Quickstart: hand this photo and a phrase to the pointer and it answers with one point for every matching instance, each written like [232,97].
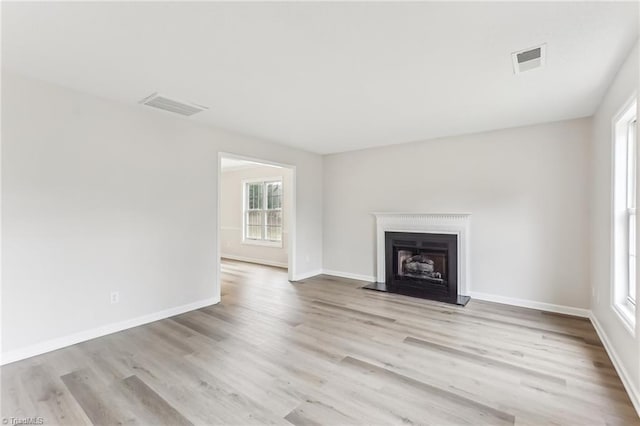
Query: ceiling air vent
[162,102]
[529,59]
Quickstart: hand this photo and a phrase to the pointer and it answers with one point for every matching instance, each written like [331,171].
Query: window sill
[275,244]
[627,314]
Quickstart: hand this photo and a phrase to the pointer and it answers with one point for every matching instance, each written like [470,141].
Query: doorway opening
[256,213]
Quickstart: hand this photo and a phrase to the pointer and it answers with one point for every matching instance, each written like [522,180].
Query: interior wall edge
[83,336]
[633,393]
[532,304]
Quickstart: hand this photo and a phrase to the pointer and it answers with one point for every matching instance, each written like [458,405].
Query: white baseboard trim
[549,307]
[305,275]
[253,260]
[633,393]
[82,336]
[349,275]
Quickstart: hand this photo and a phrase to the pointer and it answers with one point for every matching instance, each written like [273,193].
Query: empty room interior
[319,213]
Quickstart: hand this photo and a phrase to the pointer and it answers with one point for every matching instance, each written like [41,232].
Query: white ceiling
[330,77]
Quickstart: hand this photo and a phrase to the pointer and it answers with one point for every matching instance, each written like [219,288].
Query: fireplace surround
[424,255]
[422,264]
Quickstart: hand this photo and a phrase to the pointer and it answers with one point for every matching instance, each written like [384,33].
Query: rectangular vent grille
[162,102]
[528,59]
[529,55]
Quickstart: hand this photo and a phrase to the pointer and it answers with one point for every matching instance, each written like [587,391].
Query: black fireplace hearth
[422,265]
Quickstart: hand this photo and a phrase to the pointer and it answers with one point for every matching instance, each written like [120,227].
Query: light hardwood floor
[324,351]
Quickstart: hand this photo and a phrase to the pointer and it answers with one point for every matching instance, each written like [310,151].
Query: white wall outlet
[307,258]
[115,297]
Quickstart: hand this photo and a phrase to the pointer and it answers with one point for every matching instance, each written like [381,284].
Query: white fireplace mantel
[429,223]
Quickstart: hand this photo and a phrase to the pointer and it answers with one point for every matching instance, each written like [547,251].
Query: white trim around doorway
[291,242]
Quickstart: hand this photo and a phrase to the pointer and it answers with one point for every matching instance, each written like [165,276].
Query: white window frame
[621,264]
[245,203]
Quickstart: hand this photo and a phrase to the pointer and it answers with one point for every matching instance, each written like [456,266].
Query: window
[263,212]
[632,168]
[624,214]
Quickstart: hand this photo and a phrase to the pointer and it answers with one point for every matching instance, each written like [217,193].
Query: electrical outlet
[307,258]
[115,297]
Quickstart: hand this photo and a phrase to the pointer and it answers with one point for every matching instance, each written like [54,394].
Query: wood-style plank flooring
[324,351]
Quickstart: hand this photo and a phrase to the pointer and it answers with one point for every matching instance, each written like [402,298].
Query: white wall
[100,196]
[526,189]
[626,348]
[231,212]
